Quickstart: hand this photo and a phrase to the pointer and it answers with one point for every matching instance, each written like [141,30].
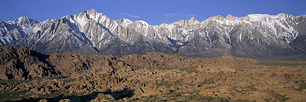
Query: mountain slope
[90,33]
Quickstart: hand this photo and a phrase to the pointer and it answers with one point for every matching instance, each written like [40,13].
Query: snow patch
[81,21]
[32,29]
[236,21]
[184,32]
[126,22]
[258,17]
[170,27]
[143,22]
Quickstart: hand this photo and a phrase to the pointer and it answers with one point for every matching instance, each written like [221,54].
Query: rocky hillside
[92,33]
[24,63]
[27,75]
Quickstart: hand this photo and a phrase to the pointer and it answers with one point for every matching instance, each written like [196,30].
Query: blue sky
[154,12]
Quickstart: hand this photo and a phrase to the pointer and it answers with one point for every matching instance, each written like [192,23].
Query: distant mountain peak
[230,17]
[91,11]
[193,20]
[123,21]
[90,14]
[22,18]
[90,32]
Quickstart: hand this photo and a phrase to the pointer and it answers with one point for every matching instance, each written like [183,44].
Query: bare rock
[103,97]
[43,100]
[64,100]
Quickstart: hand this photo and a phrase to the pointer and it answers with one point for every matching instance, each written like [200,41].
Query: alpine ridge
[93,33]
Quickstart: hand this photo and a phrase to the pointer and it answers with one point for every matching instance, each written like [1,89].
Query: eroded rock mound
[23,63]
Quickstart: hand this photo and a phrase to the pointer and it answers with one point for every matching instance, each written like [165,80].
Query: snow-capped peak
[230,17]
[247,19]
[91,11]
[193,21]
[144,23]
[20,20]
[141,21]
[259,17]
[124,21]
[83,17]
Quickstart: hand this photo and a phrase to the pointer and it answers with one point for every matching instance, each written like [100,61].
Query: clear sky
[154,12]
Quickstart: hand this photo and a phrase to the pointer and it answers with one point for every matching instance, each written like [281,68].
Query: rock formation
[150,77]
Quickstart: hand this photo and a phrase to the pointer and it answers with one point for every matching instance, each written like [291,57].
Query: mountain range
[93,33]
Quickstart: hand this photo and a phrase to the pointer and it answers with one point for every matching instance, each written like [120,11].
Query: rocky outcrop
[23,63]
[149,77]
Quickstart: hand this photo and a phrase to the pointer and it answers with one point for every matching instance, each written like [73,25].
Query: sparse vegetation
[189,69]
[12,81]
[161,68]
[69,80]
[282,63]
[278,97]
[209,81]
[10,95]
[301,86]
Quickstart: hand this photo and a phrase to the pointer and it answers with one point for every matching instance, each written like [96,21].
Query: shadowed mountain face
[92,33]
